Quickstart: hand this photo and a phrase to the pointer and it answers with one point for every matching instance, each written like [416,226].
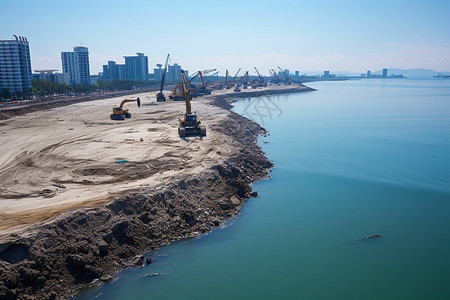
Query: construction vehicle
[245,80]
[190,125]
[275,78]
[178,92]
[160,96]
[258,82]
[287,79]
[119,113]
[235,76]
[227,84]
[202,90]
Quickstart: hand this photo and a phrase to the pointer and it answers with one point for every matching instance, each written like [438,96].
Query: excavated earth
[71,216]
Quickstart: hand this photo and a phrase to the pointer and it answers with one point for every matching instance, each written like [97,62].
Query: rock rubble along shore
[71,217]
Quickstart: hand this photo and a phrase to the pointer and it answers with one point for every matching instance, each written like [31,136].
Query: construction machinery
[258,82]
[245,80]
[227,84]
[275,78]
[178,92]
[119,113]
[235,76]
[190,125]
[287,79]
[160,96]
[203,90]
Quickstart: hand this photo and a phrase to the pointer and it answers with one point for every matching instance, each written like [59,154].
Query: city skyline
[296,35]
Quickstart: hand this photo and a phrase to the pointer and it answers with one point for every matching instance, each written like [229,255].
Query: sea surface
[352,159]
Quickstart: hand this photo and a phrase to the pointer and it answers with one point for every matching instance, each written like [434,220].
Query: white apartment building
[76,64]
[15,65]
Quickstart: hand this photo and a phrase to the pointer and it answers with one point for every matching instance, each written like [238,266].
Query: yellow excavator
[190,125]
[119,113]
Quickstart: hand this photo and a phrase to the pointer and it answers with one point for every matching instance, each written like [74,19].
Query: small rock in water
[152,274]
[371,236]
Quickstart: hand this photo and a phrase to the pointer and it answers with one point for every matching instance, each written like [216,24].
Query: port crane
[227,85]
[235,75]
[189,125]
[160,96]
[260,81]
[287,80]
[245,80]
[275,78]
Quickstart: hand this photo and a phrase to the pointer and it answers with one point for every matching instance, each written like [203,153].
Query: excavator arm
[130,100]
[187,92]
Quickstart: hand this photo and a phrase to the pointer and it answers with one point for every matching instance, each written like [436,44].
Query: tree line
[44,88]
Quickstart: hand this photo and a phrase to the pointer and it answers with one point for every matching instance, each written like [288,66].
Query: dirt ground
[66,157]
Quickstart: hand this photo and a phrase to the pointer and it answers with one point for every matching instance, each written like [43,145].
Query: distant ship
[442,76]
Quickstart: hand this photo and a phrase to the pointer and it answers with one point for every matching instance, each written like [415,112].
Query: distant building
[158,74]
[174,73]
[136,67]
[326,74]
[94,79]
[15,65]
[76,64]
[297,73]
[50,75]
[368,73]
[113,71]
[384,72]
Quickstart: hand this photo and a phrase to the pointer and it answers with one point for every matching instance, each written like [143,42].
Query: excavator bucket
[139,102]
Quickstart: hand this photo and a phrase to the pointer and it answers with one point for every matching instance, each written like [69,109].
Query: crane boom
[259,75]
[237,73]
[164,74]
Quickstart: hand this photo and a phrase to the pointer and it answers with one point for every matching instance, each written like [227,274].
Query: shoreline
[60,256]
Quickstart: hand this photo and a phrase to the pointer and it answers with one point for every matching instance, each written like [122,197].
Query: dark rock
[14,253]
[182,184]
[138,260]
[254,194]
[145,217]
[29,274]
[103,247]
[77,260]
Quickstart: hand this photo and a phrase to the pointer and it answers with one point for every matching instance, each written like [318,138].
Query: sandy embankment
[70,214]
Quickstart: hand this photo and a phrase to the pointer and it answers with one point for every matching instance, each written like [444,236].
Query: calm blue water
[352,159]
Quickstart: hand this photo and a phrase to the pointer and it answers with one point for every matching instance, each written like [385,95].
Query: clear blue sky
[300,35]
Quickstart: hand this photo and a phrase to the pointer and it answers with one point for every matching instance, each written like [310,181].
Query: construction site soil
[83,197]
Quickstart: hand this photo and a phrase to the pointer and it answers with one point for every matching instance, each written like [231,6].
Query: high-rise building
[158,74]
[15,65]
[76,64]
[384,72]
[174,73]
[136,67]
